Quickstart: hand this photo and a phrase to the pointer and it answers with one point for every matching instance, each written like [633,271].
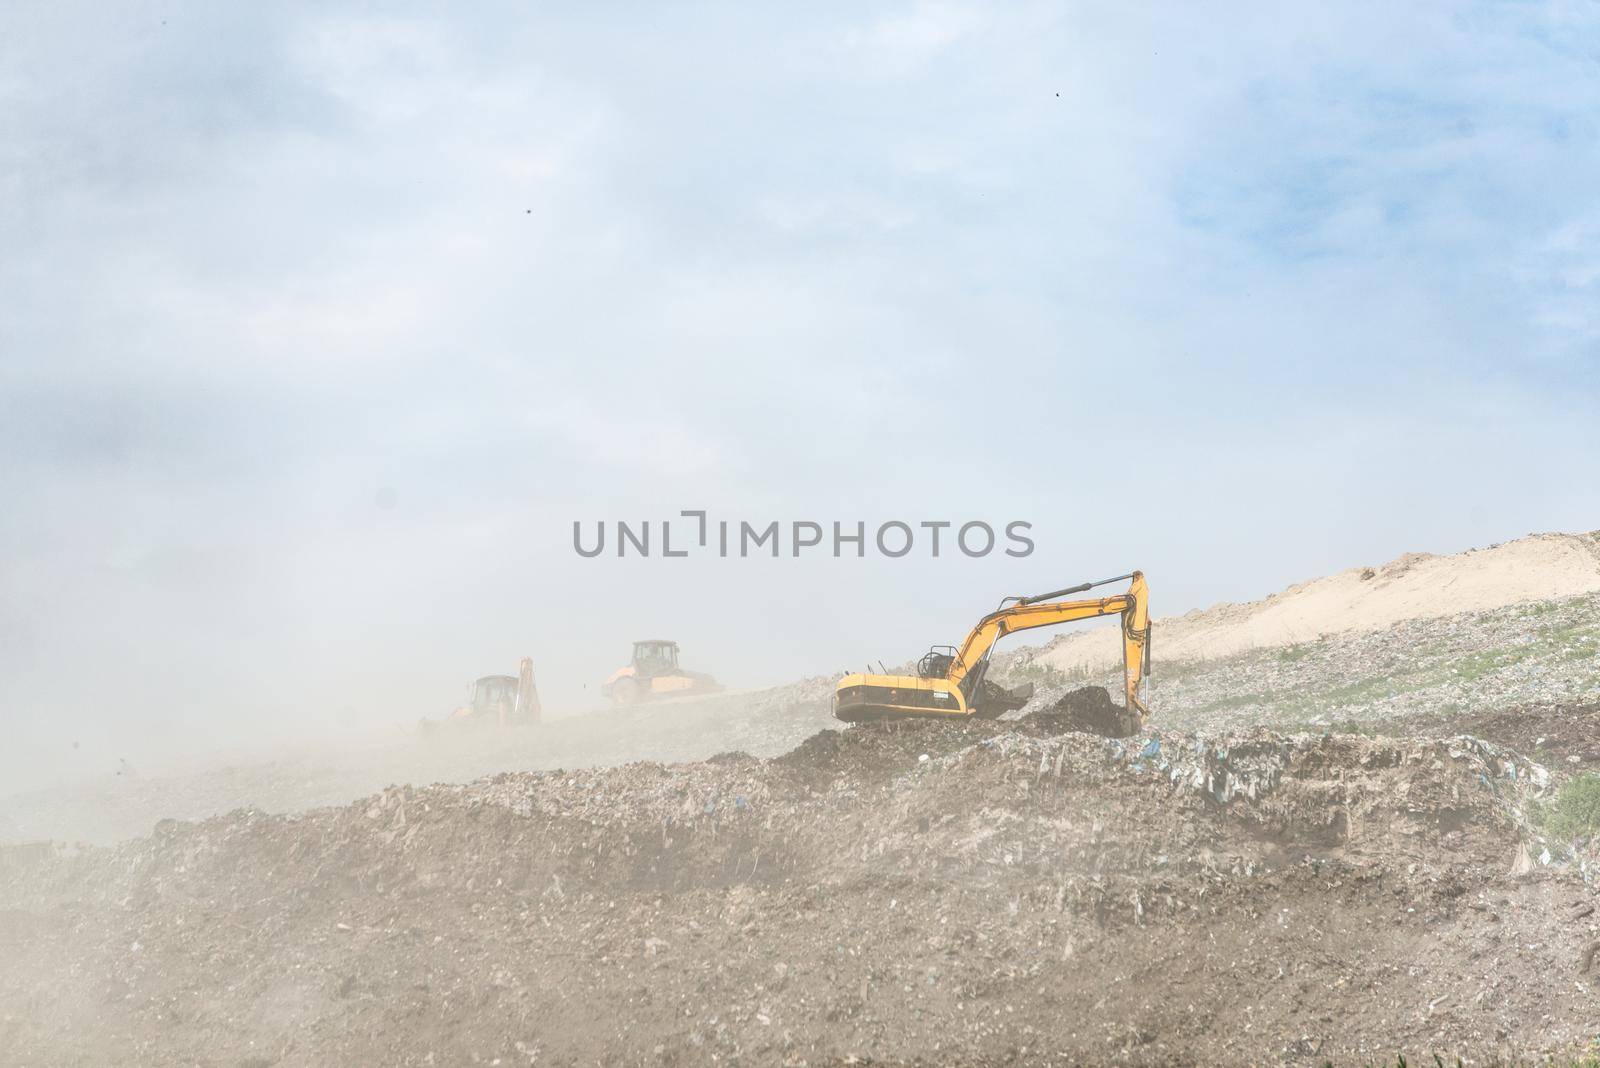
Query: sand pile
[1415,586]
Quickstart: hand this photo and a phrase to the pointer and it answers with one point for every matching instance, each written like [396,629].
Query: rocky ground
[1334,851]
[1541,654]
[977,893]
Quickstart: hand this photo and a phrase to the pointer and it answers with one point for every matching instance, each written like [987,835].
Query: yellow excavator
[503,700]
[951,682]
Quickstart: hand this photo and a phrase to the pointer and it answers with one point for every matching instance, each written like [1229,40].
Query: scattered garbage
[769,906]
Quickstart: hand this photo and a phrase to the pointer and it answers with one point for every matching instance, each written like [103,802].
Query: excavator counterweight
[950,682]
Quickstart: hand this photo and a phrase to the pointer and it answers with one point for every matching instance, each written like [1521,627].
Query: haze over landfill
[912,534]
[1350,823]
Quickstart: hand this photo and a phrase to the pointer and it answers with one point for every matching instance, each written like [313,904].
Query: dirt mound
[923,892]
[1414,586]
[1562,734]
[1089,709]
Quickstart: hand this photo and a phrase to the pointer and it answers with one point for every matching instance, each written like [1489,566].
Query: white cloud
[901,44]
[1561,276]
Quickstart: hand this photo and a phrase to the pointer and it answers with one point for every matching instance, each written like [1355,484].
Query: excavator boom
[953,684]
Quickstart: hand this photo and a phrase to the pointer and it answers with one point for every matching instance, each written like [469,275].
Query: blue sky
[1236,294]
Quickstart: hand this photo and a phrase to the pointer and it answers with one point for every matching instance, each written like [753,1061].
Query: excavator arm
[1044,611]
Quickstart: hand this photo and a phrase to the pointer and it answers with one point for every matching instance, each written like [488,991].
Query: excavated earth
[914,893]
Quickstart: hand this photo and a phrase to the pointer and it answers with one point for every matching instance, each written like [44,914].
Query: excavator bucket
[997,700]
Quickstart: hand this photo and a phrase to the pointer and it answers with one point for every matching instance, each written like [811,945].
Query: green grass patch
[1184,670]
[1362,693]
[1567,633]
[1436,1061]
[1237,701]
[1583,649]
[1476,665]
[1575,811]
[1365,691]
[1351,726]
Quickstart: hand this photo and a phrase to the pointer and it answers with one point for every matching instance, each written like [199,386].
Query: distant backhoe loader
[654,672]
[951,682]
[503,700]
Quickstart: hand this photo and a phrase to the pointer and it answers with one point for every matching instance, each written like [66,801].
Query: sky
[320,327]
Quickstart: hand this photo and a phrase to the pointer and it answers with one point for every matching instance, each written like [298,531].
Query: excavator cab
[975,686]
[654,657]
[493,695]
[935,663]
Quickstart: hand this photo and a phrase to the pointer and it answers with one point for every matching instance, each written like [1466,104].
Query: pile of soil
[1090,710]
[921,892]
[1563,734]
